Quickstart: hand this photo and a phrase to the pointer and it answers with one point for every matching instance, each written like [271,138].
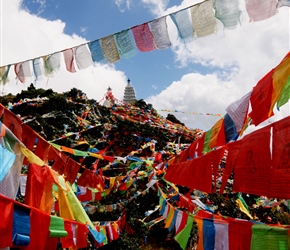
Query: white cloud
[122,3]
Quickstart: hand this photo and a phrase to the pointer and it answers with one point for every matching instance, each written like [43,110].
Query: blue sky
[203,76]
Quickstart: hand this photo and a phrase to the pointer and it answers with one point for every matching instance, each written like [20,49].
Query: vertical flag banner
[125,44]
[143,37]
[110,49]
[37,68]
[160,33]
[252,170]
[22,70]
[184,27]
[280,170]
[238,110]
[259,10]
[68,55]
[228,12]
[203,18]
[96,51]
[83,57]
[4,70]
[51,64]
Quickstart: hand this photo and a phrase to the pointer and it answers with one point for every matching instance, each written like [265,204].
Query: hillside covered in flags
[78,174]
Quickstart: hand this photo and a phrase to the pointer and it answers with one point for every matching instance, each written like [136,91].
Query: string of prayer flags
[143,37]
[259,10]
[125,44]
[228,12]
[21,226]
[203,18]
[182,22]
[110,49]
[69,57]
[83,57]
[159,31]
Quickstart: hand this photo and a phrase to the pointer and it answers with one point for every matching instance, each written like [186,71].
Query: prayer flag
[125,44]
[252,169]
[39,229]
[37,69]
[228,12]
[230,129]
[280,77]
[56,227]
[280,170]
[21,226]
[282,3]
[267,237]
[6,221]
[183,24]
[218,135]
[183,236]
[13,123]
[238,110]
[4,70]
[259,10]
[96,51]
[22,70]
[160,33]
[240,234]
[221,234]
[203,18]
[285,95]
[68,55]
[6,160]
[83,57]
[51,64]
[261,99]
[110,49]
[143,37]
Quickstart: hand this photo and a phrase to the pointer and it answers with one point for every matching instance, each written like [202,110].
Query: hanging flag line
[193,22]
[188,112]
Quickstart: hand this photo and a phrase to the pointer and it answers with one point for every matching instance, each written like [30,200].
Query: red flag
[68,55]
[42,149]
[6,221]
[280,171]
[28,136]
[252,170]
[143,37]
[261,99]
[35,185]
[39,225]
[13,123]
[240,234]
[233,149]
[82,232]
[68,241]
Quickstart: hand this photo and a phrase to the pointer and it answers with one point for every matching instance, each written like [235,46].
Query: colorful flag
[228,12]
[83,57]
[182,22]
[259,10]
[261,99]
[160,33]
[22,70]
[110,49]
[203,18]
[68,55]
[143,37]
[125,44]
[183,236]
[238,111]
[4,70]
[96,51]
[51,64]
